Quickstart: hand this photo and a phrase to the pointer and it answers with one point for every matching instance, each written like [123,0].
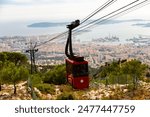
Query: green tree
[123,73]
[135,69]
[13,74]
[8,69]
[3,57]
[15,57]
[111,73]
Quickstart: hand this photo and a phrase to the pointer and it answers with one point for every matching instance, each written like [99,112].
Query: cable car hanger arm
[68,47]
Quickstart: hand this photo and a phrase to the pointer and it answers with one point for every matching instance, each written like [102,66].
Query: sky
[56,10]
[18,14]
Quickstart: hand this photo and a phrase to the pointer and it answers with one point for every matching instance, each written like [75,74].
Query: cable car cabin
[77,73]
[76,66]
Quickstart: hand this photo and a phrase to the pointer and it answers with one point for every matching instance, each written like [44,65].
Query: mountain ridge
[55,24]
[46,24]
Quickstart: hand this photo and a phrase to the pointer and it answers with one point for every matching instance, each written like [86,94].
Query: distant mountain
[46,24]
[107,22]
[142,24]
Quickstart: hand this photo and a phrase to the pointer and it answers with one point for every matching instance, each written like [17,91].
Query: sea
[124,30]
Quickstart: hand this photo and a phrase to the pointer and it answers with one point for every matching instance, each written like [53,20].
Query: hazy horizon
[16,15]
[124,29]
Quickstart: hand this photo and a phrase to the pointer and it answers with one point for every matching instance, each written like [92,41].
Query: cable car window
[80,70]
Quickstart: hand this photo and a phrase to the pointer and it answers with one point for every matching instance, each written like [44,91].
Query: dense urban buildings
[96,52]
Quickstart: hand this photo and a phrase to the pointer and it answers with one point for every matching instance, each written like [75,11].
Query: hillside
[121,79]
[97,92]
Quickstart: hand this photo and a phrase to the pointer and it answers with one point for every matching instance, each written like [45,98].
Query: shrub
[66,96]
[56,76]
[46,88]
[34,80]
[66,88]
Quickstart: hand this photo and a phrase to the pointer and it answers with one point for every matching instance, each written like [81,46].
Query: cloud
[43,11]
[23,2]
[58,9]
[13,2]
[36,1]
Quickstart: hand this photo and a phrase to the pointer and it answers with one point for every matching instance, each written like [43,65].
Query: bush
[123,73]
[131,87]
[66,88]
[46,88]
[35,79]
[56,76]
[66,96]
[147,80]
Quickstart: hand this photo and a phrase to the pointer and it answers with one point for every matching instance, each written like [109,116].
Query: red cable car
[76,67]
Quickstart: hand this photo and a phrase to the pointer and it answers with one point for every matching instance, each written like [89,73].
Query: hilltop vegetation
[128,72]
[14,68]
[115,80]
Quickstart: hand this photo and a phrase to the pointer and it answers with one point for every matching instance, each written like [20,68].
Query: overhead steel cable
[103,20]
[61,34]
[105,5]
[106,15]
[97,21]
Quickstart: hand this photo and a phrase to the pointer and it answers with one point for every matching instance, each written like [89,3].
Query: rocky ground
[120,92]
[123,92]
[22,92]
